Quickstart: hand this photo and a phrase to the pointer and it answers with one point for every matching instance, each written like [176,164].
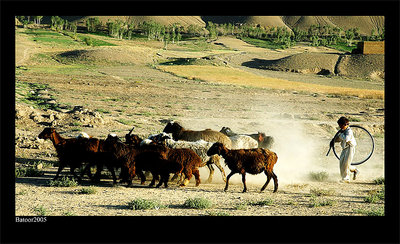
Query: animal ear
[260,137]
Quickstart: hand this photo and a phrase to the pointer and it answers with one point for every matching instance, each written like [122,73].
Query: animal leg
[110,168]
[244,181]
[142,177]
[174,177]
[269,175]
[181,179]
[72,170]
[60,168]
[188,176]
[196,174]
[210,177]
[87,169]
[97,176]
[275,181]
[227,180]
[217,163]
[161,181]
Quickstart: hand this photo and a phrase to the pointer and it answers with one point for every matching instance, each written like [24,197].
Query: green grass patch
[242,206]
[263,43]
[343,47]
[63,182]
[27,172]
[88,190]
[265,202]
[379,181]
[197,203]
[126,122]
[103,111]
[380,211]
[375,196]
[317,202]
[50,37]
[40,210]
[90,41]
[142,204]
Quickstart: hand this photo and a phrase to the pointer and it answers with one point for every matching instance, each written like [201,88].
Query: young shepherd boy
[348,143]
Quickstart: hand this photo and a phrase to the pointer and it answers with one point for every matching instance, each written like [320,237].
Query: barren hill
[365,23]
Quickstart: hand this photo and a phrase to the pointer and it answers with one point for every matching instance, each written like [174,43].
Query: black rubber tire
[370,154]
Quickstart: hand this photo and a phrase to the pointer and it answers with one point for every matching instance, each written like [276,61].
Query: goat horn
[131,130]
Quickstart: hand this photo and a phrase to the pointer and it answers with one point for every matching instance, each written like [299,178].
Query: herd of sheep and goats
[176,151]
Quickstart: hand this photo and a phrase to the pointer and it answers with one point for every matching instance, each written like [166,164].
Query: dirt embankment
[359,66]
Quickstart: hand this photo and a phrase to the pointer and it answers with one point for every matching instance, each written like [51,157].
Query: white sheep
[82,135]
[200,147]
[243,142]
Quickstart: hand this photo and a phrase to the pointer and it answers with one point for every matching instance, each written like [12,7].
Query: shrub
[27,172]
[319,176]
[88,190]
[321,202]
[379,181]
[63,182]
[265,202]
[242,206]
[373,212]
[197,203]
[41,211]
[140,204]
[375,196]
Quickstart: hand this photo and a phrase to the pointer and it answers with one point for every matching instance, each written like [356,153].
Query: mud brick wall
[370,47]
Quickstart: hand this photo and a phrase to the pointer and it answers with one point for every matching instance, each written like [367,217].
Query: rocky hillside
[365,23]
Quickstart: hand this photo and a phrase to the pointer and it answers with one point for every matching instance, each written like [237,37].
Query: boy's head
[343,122]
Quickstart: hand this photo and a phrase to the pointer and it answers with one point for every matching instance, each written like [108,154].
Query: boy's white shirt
[347,138]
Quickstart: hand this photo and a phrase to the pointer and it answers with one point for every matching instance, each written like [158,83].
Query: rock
[39,166]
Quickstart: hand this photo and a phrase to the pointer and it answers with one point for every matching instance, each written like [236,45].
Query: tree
[92,24]
[349,34]
[57,23]
[38,19]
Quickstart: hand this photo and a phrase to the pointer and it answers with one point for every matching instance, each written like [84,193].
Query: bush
[265,202]
[27,172]
[314,202]
[88,190]
[375,196]
[140,204]
[41,211]
[197,203]
[373,212]
[379,181]
[63,182]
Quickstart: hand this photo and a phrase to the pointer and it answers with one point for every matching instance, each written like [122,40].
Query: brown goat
[179,133]
[71,152]
[242,161]
[161,161]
